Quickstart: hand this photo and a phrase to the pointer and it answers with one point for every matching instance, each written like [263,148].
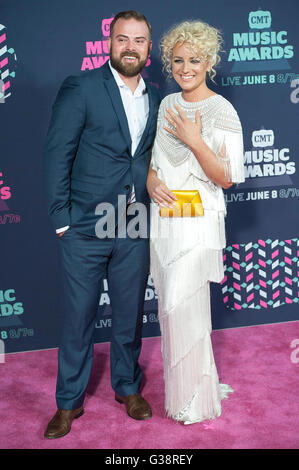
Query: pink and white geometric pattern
[7,66]
[261,275]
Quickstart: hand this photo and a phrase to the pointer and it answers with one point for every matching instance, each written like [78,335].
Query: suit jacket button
[127,186]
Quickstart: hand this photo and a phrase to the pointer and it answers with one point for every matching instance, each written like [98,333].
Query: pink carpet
[262,413]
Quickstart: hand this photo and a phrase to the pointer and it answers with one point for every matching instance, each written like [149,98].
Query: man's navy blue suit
[88,161]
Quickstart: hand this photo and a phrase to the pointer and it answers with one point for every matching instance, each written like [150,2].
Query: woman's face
[188,69]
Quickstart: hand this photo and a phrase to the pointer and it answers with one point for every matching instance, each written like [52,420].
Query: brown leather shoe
[61,422]
[137,407]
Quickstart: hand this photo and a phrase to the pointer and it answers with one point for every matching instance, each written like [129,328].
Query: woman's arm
[214,166]
[158,191]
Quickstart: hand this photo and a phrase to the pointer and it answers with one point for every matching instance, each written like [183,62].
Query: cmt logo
[5,192]
[260,48]
[8,304]
[270,161]
[262,138]
[106,26]
[97,52]
[259,19]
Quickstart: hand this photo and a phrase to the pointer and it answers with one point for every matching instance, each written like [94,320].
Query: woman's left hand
[186,131]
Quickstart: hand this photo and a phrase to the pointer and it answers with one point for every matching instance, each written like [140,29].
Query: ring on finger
[173,125]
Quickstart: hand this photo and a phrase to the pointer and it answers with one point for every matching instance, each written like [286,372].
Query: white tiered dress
[186,255]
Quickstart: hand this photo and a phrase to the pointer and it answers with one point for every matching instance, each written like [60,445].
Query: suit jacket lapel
[114,93]
[149,120]
[117,104]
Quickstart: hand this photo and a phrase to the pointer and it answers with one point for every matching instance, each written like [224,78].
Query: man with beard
[98,148]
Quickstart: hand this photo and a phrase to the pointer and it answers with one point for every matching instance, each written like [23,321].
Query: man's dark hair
[127,15]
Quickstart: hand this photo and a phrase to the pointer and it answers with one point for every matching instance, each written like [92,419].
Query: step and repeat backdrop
[42,42]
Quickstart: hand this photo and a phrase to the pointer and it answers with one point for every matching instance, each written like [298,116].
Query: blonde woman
[198,146]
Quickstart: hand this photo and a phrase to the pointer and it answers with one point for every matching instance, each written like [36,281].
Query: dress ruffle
[195,412]
[192,389]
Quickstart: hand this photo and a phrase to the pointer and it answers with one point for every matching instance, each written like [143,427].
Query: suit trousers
[86,260]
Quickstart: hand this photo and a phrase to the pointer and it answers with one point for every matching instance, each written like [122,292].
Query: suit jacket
[88,150]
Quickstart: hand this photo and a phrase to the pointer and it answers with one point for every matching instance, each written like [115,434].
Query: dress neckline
[195,103]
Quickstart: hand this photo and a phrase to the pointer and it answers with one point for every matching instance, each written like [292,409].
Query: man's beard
[127,70]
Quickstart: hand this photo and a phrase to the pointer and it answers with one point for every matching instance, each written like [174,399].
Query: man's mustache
[129,54]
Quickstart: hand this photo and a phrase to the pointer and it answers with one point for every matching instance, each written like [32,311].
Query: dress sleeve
[229,148]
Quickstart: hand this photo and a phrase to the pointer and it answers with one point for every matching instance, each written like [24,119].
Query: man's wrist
[62,229]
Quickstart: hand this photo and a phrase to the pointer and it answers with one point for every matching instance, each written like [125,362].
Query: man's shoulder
[88,76]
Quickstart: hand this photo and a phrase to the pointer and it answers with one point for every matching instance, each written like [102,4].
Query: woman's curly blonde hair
[205,40]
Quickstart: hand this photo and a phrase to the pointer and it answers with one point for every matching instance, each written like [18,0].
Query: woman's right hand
[158,191]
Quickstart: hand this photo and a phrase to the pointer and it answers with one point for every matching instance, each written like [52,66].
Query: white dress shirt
[136,106]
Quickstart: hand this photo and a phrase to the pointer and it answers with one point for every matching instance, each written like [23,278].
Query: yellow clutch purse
[188,204]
